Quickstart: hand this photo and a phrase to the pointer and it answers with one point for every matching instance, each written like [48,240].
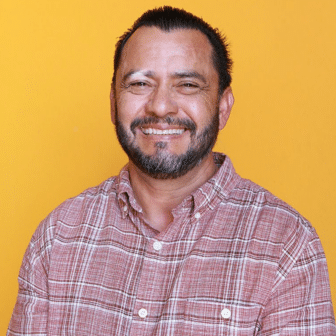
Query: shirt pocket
[204,317]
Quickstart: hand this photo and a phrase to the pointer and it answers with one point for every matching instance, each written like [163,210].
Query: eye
[188,88]
[139,87]
[139,84]
[189,85]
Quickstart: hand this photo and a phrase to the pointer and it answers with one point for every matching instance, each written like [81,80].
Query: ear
[112,103]
[225,105]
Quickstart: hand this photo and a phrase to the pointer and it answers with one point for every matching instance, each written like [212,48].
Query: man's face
[165,105]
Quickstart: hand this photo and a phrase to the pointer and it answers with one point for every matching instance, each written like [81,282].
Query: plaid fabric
[235,261]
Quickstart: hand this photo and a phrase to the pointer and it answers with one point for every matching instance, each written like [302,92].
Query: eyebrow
[149,74]
[190,74]
[178,74]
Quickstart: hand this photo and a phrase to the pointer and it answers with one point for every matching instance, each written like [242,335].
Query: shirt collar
[216,189]
[125,193]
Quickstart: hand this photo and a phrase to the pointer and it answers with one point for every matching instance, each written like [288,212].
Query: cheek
[200,109]
[129,107]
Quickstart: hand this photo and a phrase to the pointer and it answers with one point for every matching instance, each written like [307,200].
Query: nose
[161,102]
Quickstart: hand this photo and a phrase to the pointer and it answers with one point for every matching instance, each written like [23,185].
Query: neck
[159,197]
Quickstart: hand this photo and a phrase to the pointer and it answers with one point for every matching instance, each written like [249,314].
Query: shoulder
[97,195]
[75,210]
[276,231]
[269,207]
[268,221]
[70,221]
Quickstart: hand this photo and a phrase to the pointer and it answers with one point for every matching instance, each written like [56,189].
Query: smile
[155,131]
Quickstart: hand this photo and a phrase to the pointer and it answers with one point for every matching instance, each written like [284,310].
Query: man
[178,243]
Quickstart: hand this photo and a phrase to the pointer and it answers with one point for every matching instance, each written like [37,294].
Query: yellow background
[56,135]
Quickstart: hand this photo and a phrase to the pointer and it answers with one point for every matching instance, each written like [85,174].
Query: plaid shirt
[235,261]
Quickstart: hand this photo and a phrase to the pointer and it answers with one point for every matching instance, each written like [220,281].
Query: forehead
[151,48]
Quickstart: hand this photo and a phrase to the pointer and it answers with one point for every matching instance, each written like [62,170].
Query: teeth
[149,131]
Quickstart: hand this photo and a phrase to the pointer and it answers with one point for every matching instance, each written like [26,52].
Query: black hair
[168,18]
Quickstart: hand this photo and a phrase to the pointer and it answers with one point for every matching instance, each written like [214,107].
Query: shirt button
[157,246]
[142,312]
[226,313]
[197,215]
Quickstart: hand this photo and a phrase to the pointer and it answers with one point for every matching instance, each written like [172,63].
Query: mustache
[186,123]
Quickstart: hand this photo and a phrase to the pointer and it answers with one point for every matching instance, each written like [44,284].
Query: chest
[122,283]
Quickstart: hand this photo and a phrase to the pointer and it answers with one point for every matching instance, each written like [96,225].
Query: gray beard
[163,165]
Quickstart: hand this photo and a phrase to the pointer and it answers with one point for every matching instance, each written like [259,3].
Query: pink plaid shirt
[235,261]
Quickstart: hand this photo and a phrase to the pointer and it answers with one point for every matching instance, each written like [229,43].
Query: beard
[162,164]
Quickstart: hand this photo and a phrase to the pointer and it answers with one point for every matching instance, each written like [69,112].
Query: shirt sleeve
[301,303]
[30,314]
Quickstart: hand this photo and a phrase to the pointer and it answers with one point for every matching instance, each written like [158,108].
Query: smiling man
[168,109]
[178,243]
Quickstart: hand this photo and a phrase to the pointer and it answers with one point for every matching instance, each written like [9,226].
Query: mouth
[156,131]
[168,126]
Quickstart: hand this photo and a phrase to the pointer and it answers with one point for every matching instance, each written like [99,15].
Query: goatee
[162,164]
